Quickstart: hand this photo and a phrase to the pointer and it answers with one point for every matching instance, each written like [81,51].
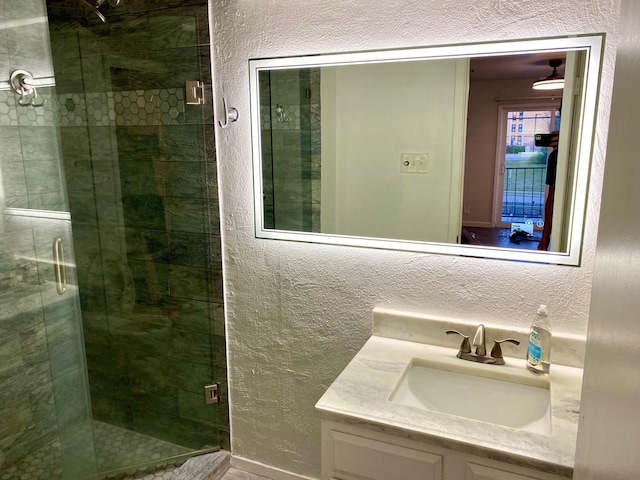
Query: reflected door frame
[545,103]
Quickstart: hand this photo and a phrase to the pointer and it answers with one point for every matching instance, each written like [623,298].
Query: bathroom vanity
[407,408]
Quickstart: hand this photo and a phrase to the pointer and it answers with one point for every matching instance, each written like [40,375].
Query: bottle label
[534,352]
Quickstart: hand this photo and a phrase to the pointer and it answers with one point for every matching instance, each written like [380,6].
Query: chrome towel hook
[230,115]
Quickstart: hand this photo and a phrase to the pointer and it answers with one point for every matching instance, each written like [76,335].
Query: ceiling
[531,66]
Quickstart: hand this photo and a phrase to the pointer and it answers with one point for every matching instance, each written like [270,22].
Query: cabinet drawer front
[362,458]
[480,472]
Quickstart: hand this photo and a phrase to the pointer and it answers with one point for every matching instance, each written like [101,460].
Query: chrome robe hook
[230,115]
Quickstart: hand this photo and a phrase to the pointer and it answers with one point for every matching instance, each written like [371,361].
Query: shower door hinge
[194,92]
[212,393]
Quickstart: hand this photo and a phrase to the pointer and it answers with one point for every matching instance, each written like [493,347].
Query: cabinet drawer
[481,472]
[362,458]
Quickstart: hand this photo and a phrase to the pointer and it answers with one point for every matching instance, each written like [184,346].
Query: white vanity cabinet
[354,453]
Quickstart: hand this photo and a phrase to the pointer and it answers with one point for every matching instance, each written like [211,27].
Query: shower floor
[116,449]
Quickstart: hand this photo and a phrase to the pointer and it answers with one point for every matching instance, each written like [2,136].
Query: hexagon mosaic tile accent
[102,109]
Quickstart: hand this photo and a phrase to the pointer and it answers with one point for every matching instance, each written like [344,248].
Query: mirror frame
[591,44]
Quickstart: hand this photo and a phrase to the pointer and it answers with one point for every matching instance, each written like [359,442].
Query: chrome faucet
[479,342]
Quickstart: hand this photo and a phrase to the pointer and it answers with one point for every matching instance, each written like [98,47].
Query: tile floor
[117,449]
[167,474]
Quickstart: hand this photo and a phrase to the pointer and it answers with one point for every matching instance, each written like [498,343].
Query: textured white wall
[297,313]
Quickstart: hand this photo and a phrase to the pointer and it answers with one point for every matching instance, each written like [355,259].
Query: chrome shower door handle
[58,266]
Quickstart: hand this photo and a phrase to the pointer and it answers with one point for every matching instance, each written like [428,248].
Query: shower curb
[211,466]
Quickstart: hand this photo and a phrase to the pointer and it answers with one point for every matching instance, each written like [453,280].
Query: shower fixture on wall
[89,10]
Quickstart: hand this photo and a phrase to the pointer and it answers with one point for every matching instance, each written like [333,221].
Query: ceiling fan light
[549,84]
[555,81]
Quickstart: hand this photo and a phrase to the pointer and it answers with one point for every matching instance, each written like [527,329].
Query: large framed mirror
[446,150]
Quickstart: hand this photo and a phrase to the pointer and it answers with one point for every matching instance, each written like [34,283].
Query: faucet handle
[496,352]
[465,347]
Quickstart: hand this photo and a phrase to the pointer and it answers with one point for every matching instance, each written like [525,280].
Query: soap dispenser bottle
[539,350]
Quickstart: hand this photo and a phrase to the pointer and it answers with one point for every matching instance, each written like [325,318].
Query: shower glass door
[141,181]
[45,415]
[108,376]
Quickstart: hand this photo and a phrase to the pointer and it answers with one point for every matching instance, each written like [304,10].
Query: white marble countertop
[360,396]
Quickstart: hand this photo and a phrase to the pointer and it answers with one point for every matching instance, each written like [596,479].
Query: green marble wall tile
[219,351]
[83,209]
[74,144]
[106,359]
[94,75]
[20,9]
[12,171]
[143,334]
[189,376]
[195,316]
[161,424]
[192,250]
[104,143]
[71,400]
[138,140]
[292,191]
[10,141]
[192,283]
[16,418]
[109,409]
[33,346]
[10,350]
[43,177]
[80,179]
[68,65]
[73,416]
[184,179]
[191,315]
[190,408]
[192,346]
[144,211]
[5,62]
[13,178]
[182,143]
[28,47]
[151,282]
[201,114]
[186,214]
[147,245]
[141,175]
[66,351]
[95,329]
[64,33]
[149,69]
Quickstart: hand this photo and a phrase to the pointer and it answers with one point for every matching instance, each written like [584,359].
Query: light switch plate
[413,162]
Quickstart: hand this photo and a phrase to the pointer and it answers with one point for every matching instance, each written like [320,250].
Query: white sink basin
[509,403]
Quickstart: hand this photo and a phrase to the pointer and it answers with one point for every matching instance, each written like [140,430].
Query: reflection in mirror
[428,149]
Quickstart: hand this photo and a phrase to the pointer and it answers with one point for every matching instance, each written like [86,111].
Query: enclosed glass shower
[111,309]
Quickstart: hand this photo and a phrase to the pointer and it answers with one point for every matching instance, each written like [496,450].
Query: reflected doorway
[520,165]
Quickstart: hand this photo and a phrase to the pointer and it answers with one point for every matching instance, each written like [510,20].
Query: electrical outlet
[413,162]
[466,209]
